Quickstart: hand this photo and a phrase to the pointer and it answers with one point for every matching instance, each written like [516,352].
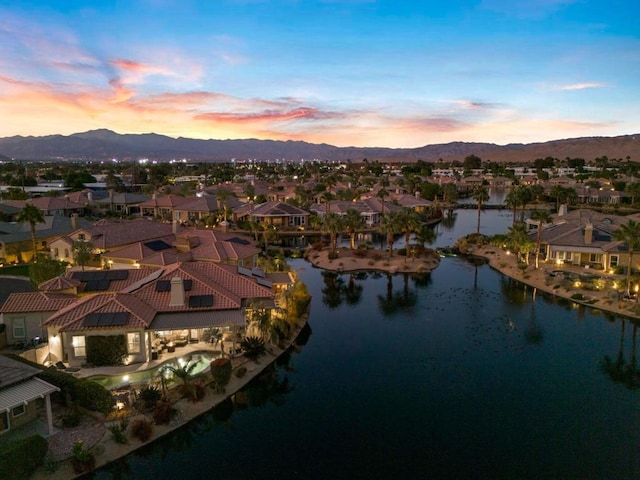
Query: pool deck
[106,450]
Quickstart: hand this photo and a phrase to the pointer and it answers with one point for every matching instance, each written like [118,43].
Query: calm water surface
[462,373]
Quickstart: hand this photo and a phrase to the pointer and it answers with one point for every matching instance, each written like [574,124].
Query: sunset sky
[355,72]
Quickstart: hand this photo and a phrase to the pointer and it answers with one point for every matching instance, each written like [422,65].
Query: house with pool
[138,315]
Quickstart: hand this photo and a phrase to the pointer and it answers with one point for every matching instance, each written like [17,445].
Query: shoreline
[107,451]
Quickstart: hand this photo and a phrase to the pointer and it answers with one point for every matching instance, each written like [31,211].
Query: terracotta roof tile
[36,302]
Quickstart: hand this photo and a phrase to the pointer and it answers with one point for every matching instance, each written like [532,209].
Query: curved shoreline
[107,451]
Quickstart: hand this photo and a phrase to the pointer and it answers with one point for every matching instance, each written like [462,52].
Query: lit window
[79,346]
[613,260]
[133,342]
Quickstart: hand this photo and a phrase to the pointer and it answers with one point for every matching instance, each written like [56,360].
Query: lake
[461,373]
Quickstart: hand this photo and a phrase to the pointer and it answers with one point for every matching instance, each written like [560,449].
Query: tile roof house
[121,203]
[199,208]
[206,245]
[280,214]
[162,206]
[584,238]
[15,238]
[20,392]
[106,235]
[178,303]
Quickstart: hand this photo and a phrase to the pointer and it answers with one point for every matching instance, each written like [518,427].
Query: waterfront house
[280,214]
[167,309]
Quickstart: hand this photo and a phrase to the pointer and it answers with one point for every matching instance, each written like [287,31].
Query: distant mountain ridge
[105,144]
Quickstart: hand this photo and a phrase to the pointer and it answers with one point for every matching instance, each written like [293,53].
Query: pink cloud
[582,86]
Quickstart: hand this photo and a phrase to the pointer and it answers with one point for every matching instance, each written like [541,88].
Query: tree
[513,201]
[352,222]
[481,195]
[410,222]
[46,269]
[31,215]
[382,194]
[634,190]
[390,226]
[630,235]
[541,217]
[81,252]
[519,241]
[332,224]
[558,192]
[449,193]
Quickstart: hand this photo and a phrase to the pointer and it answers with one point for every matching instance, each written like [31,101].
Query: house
[169,307]
[20,392]
[199,208]
[280,214]
[584,238]
[205,245]
[15,238]
[107,235]
[124,204]
[162,206]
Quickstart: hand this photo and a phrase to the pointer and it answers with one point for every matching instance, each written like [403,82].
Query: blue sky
[360,72]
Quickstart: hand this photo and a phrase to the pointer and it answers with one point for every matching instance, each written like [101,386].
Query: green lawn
[19,270]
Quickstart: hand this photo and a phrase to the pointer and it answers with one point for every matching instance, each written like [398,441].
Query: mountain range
[105,144]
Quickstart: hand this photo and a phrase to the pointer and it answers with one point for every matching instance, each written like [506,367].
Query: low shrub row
[19,459]
[82,392]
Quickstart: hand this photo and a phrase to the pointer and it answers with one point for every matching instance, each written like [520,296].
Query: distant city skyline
[359,73]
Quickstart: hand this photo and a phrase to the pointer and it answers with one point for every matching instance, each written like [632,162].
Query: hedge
[105,350]
[85,393]
[21,458]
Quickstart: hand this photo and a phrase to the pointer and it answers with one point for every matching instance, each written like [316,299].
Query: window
[66,253]
[19,330]
[614,260]
[81,236]
[133,342]
[56,252]
[595,258]
[79,346]
[19,410]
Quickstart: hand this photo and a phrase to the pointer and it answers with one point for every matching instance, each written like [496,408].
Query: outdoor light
[119,405]
[125,378]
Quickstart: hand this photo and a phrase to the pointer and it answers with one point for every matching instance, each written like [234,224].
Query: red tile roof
[36,302]
[58,283]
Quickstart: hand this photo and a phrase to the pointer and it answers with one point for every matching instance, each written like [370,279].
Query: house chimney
[176,298]
[174,226]
[90,196]
[74,221]
[562,210]
[417,194]
[154,195]
[588,233]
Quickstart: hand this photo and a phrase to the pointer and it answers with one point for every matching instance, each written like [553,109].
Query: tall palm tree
[525,196]
[352,222]
[519,241]
[411,222]
[512,201]
[541,217]
[382,194]
[32,215]
[332,224]
[558,192]
[390,226]
[629,234]
[81,252]
[481,195]
[327,196]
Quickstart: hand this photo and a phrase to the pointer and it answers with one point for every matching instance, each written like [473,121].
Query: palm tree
[558,192]
[352,222]
[519,241]
[525,197]
[390,226]
[541,217]
[481,195]
[327,196]
[629,234]
[410,221]
[382,194]
[512,201]
[332,224]
[222,197]
[426,234]
[31,215]
[81,252]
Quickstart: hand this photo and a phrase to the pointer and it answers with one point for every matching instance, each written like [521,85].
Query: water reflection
[404,299]
[618,370]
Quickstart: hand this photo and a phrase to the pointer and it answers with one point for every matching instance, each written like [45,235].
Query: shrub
[85,393]
[221,373]
[106,349]
[119,431]
[194,392]
[142,429]
[333,255]
[360,253]
[82,459]
[19,459]
[163,412]
[71,418]
[241,371]
[253,346]
[150,395]
[377,256]
[402,252]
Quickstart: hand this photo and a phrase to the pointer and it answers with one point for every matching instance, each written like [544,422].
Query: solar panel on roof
[188,284]
[258,272]
[264,282]
[100,275]
[200,301]
[91,320]
[239,241]
[163,286]
[244,271]
[119,319]
[117,274]
[157,245]
[97,285]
